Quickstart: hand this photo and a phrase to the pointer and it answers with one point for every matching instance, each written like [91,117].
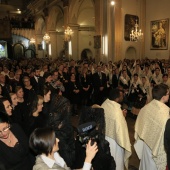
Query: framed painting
[159,34]
[97,41]
[130,21]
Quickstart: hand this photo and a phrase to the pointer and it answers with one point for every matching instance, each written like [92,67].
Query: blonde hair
[40,99]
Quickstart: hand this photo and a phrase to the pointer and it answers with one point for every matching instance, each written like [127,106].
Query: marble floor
[134,161]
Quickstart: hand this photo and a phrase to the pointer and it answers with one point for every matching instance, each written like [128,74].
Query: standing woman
[14,147]
[74,93]
[85,85]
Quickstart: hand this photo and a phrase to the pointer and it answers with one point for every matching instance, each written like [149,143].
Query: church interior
[103,30]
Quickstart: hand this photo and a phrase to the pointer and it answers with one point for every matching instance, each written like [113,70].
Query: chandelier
[68,32]
[136,34]
[46,38]
[32,41]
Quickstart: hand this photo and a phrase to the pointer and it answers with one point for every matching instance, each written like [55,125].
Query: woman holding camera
[44,143]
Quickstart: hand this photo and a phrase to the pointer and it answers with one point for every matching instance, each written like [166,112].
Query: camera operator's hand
[91,151]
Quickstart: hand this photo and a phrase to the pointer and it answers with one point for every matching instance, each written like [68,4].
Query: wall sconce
[68,32]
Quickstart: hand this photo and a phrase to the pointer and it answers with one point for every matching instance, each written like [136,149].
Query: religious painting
[159,34]
[130,21]
[39,46]
[97,41]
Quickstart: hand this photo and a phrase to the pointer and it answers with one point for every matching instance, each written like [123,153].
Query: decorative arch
[18,50]
[29,53]
[56,14]
[131,53]
[75,9]
[39,25]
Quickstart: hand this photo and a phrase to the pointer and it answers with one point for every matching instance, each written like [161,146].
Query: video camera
[86,132]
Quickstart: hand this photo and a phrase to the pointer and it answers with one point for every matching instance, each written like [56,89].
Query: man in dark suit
[37,82]
[115,78]
[99,81]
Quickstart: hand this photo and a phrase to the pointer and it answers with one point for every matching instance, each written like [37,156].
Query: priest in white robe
[116,129]
[149,130]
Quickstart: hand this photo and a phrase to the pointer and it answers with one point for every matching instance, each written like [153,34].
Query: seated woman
[5,107]
[22,104]
[44,142]
[36,119]
[14,146]
[16,112]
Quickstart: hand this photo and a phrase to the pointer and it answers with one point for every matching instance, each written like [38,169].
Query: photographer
[44,143]
[91,127]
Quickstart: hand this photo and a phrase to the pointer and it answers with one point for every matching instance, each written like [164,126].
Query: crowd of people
[38,97]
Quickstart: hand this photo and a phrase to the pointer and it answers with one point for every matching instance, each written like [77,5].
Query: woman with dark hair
[22,104]
[44,143]
[14,147]
[47,98]
[35,119]
[74,89]
[59,120]
[5,106]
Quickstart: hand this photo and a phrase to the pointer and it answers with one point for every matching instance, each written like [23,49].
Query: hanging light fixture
[32,40]
[136,34]
[68,32]
[46,38]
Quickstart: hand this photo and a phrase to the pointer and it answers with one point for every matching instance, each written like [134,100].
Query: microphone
[83,128]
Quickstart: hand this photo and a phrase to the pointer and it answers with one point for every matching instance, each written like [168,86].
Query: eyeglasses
[5,129]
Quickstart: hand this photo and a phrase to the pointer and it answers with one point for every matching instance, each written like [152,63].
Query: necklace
[9,140]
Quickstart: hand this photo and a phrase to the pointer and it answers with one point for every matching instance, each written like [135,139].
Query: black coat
[38,86]
[115,81]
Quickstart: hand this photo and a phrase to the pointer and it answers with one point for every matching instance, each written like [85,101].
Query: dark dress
[17,116]
[99,81]
[74,97]
[85,82]
[36,122]
[29,95]
[17,157]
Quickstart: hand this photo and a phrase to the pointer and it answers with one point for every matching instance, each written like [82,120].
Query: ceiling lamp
[46,38]
[136,34]
[68,32]
[32,41]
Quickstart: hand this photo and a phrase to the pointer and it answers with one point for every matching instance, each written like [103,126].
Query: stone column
[74,42]
[53,42]
[98,23]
